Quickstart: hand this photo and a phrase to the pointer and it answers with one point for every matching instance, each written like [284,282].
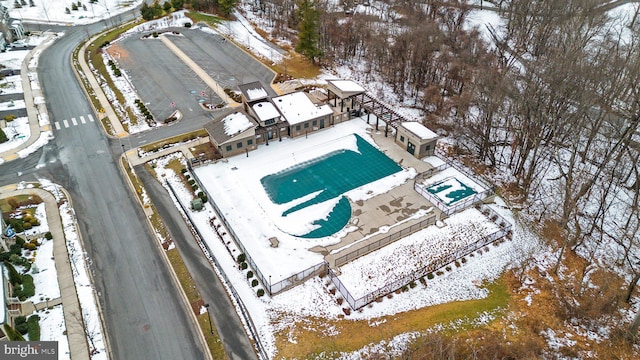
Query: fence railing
[209,254]
[465,170]
[446,209]
[368,248]
[429,268]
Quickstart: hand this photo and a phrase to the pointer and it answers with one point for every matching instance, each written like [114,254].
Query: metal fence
[339,261]
[446,209]
[209,254]
[484,182]
[505,228]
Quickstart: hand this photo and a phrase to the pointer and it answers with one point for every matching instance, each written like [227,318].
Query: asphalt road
[144,317]
[234,339]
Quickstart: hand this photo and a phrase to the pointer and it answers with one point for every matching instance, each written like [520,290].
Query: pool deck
[385,209]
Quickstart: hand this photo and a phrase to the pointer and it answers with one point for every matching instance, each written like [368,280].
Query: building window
[270,121]
[306,125]
[315,122]
[297,127]
[428,147]
[229,148]
[239,145]
[250,142]
[401,138]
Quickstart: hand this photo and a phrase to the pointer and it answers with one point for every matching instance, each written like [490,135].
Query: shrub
[249,274]
[34,328]
[204,198]
[187,25]
[12,334]
[34,222]
[3,136]
[22,328]
[430,276]
[448,268]
[48,235]
[155,34]
[412,284]
[27,289]
[194,187]
[117,72]
[15,249]
[27,225]
[9,118]
[20,320]
[463,260]
[254,283]
[260,293]
[31,246]
[191,182]
[244,265]
[184,170]
[14,276]
[187,176]
[242,258]
[19,240]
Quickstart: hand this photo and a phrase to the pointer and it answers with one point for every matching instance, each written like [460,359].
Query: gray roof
[253,91]
[216,128]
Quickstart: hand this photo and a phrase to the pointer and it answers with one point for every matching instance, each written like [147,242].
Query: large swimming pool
[329,177]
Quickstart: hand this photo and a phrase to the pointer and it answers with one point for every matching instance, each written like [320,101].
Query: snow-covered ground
[252,219]
[55,11]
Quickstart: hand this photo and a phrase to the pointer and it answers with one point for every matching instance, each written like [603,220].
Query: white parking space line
[57,125]
[66,123]
[82,120]
[90,117]
[73,120]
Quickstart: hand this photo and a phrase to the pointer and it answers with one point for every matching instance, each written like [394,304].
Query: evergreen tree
[226,6]
[3,136]
[308,36]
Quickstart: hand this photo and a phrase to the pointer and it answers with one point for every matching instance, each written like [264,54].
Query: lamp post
[210,325]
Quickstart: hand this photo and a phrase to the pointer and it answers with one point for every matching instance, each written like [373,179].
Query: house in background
[10,307]
[416,138]
[10,29]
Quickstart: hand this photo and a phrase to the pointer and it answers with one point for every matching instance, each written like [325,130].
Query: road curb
[165,259]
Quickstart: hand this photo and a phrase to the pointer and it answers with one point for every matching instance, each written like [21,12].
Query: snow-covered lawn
[52,328]
[17,132]
[54,11]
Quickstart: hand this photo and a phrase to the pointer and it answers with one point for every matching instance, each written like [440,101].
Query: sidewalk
[35,113]
[78,346]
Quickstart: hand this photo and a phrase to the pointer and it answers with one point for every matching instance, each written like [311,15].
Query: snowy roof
[419,130]
[253,91]
[265,110]
[297,108]
[229,126]
[346,85]
[344,88]
[236,123]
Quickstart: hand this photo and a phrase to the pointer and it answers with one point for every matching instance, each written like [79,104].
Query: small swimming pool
[450,190]
[329,177]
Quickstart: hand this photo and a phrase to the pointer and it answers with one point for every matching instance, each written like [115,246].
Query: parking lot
[165,83]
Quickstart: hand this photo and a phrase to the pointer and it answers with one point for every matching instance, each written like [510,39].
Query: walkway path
[70,304]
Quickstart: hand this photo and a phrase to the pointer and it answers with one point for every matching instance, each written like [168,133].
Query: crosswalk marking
[74,121]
